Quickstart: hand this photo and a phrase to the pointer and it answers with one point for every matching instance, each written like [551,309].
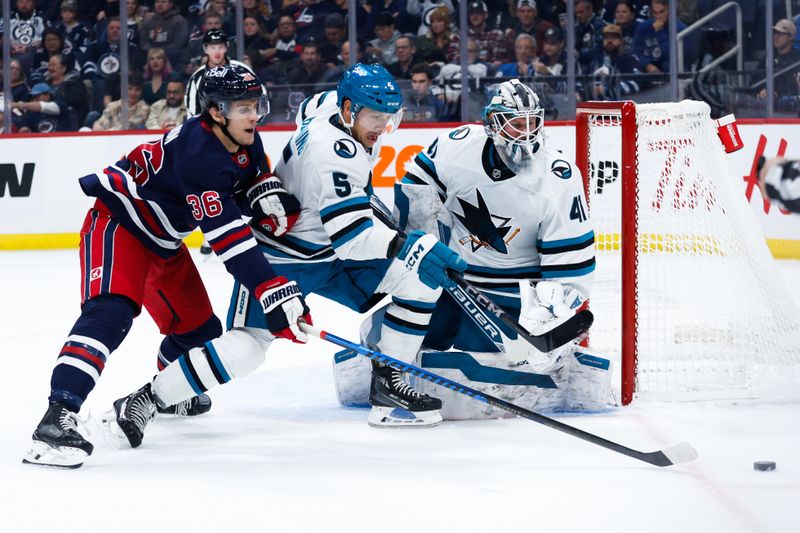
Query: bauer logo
[345,148]
[562,169]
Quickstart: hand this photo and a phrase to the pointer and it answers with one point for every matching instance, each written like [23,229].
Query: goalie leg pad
[235,354]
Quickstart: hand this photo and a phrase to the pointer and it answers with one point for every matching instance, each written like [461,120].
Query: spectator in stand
[588,35]
[156,73]
[136,16]
[421,103]
[27,27]
[335,35]
[102,63]
[193,54]
[68,90]
[138,110]
[492,44]
[449,78]
[406,58]
[651,39]
[334,74]
[255,39]
[553,59]
[610,81]
[52,44]
[261,10]
[77,35]
[167,29]
[785,56]
[382,48]
[425,8]
[362,16]
[433,46]
[309,16]
[309,71]
[169,112]
[527,21]
[226,13]
[277,60]
[525,51]
[625,18]
[402,20]
[19,82]
[41,114]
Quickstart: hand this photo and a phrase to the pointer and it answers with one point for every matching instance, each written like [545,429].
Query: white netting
[714,319]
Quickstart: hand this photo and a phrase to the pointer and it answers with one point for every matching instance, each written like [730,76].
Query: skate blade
[44,454]
[395,417]
[105,425]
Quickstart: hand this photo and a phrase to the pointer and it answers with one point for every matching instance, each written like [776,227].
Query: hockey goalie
[515,211]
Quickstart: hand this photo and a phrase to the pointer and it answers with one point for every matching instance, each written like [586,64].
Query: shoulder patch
[562,169]
[460,133]
[345,148]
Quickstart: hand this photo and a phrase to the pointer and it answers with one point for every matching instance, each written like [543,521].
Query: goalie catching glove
[423,254]
[547,303]
[283,306]
[274,209]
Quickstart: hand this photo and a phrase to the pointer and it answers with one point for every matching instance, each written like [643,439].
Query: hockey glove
[283,307]
[274,209]
[423,254]
[547,303]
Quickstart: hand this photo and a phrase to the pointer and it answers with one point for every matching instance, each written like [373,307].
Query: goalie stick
[680,453]
[474,303]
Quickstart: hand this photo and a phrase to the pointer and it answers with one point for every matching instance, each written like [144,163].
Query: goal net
[686,290]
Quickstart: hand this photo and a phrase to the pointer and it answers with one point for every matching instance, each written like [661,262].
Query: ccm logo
[414,257]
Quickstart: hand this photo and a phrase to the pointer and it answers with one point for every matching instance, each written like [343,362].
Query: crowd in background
[65,60]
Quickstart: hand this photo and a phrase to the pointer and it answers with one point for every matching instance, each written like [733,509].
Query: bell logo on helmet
[345,148]
[217,72]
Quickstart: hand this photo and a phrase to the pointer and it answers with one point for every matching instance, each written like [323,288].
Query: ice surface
[278,454]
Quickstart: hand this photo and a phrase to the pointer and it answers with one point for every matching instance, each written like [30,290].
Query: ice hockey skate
[56,441]
[198,405]
[395,403]
[124,425]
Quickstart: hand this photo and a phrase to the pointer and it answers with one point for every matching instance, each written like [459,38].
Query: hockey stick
[473,302]
[680,453]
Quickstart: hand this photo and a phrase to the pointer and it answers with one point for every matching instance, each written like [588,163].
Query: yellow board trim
[52,241]
[780,248]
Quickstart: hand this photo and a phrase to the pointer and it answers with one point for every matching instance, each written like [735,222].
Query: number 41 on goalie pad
[576,379]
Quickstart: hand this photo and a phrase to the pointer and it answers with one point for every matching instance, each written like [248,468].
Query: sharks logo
[562,169]
[486,229]
[459,134]
[345,148]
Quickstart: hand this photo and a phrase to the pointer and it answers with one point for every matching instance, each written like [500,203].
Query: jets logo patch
[459,134]
[562,169]
[345,148]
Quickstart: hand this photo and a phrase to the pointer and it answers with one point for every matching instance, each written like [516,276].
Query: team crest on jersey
[486,229]
[562,169]
[345,148]
[459,134]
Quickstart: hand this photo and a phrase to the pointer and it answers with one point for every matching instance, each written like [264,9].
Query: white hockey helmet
[513,119]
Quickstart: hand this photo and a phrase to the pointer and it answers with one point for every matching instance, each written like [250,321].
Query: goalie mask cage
[685,290]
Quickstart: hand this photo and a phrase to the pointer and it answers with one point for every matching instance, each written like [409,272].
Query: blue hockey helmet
[371,86]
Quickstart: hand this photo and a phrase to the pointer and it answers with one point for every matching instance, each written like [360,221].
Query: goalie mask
[513,119]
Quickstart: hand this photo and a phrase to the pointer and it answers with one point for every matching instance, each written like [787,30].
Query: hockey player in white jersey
[515,211]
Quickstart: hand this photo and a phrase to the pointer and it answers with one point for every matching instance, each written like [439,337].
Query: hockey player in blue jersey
[132,254]
[514,210]
[336,249]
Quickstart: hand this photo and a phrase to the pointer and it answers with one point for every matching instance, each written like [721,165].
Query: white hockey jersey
[329,172]
[507,226]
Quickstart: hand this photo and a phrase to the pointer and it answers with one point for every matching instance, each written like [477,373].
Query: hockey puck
[764,466]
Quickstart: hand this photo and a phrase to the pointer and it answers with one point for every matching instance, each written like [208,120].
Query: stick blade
[680,453]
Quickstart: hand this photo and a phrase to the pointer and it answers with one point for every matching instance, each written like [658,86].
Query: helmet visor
[371,120]
[257,108]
